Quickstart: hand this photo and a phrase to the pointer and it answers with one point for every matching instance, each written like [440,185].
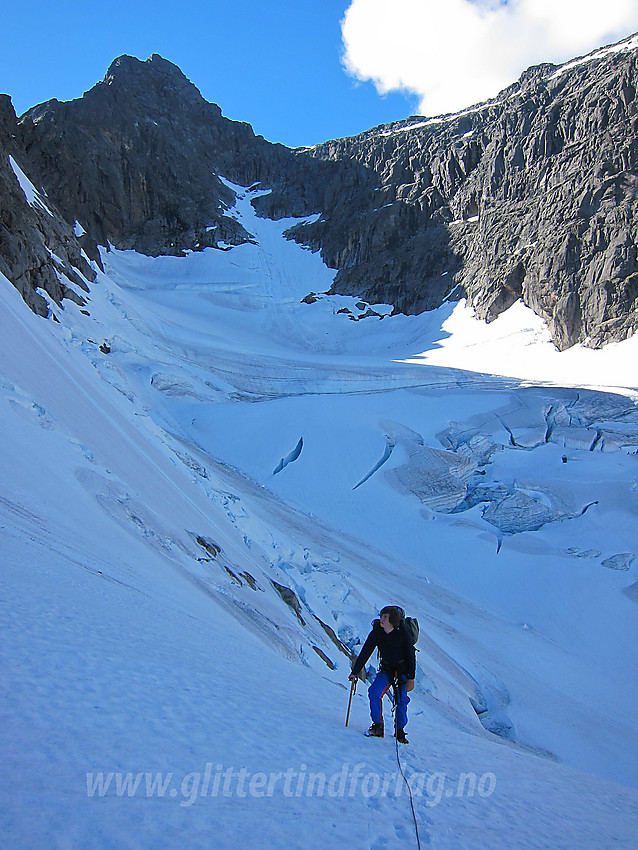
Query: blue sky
[289,68]
[274,64]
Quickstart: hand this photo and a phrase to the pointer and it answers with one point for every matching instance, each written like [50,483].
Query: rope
[395,688]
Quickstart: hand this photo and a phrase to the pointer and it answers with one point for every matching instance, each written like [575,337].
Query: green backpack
[411,626]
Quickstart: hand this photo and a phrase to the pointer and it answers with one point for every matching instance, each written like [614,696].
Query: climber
[396,669]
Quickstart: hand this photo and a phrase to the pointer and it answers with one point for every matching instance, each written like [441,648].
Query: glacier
[180,619]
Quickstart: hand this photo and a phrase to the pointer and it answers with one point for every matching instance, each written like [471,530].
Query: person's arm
[366,651]
[411,659]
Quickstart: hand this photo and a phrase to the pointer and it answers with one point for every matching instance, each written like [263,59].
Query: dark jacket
[396,650]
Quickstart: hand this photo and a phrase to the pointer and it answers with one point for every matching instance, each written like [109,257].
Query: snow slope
[209,488]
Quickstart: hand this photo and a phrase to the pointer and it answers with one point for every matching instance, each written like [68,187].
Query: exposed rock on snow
[329,664]
[290,598]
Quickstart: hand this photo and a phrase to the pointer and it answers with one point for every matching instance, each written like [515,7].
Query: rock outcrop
[38,249]
[134,160]
[533,195]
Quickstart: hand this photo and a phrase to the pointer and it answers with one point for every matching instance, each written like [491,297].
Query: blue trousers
[378,689]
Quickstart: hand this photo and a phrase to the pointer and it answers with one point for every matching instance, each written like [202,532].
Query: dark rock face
[133,160]
[38,249]
[138,159]
[533,195]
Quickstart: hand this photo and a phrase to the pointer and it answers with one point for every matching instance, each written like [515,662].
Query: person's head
[390,618]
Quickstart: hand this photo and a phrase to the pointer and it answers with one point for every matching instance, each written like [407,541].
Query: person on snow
[397,664]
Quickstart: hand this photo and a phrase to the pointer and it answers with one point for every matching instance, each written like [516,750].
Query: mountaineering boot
[400,736]
[375,731]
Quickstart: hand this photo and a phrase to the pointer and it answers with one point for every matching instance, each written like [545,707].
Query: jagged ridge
[531,195]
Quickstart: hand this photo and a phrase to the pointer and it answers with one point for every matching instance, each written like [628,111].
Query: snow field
[143,527]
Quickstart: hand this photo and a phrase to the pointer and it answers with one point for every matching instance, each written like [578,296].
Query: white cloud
[455,53]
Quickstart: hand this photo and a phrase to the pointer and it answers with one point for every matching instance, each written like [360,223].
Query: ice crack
[290,458]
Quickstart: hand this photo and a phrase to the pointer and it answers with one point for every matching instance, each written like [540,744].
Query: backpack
[411,626]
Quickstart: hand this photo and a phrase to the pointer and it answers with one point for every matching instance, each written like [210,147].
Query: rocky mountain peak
[136,159]
[153,87]
[129,70]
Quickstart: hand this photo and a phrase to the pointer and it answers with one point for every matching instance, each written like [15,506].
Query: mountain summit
[529,196]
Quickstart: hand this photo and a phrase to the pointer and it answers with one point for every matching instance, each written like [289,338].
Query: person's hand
[353,678]
[409,685]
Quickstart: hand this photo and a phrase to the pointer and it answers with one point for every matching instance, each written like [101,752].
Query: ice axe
[353,690]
